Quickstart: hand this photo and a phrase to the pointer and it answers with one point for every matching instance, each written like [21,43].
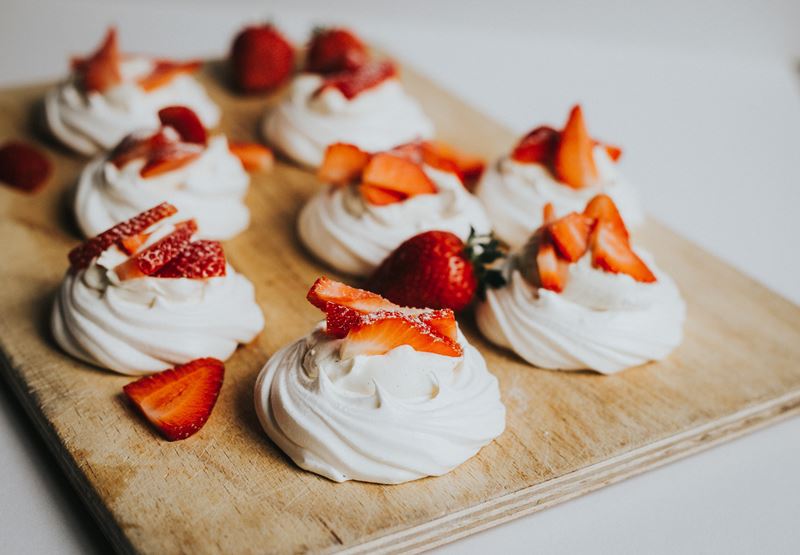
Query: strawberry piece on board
[334,51]
[197,260]
[574,158]
[612,253]
[185,122]
[23,167]
[157,255]
[352,83]
[343,163]
[381,332]
[253,156]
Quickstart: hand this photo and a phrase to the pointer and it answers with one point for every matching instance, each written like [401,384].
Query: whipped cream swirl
[377,119]
[386,418]
[353,236]
[601,321]
[146,325]
[95,122]
[210,189]
[514,195]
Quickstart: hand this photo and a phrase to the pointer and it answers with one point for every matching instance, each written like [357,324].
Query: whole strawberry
[436,269]
[335,50]
[261,59]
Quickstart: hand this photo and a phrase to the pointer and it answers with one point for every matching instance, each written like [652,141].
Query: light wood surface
[228,489]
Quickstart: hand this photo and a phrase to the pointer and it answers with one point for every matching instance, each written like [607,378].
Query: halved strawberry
[602,208]
[138,145]
[369,75]
[185,122]
[170,157]
[612,252]
[552,270]
[397,174]
[326,291]
[197,260]
[379,196]
[253,156]
[570,235]
[157,255]
[81,256]
[343,163]
[442,156]
[548,213]
[335,50]
[179,401]
[537,147]
[100,70]
[574,160]
[23,167]
[165,71]
[379,333]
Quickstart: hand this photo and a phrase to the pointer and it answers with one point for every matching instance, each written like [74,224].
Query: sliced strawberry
[165,71]
[379,196]
[444,157]
[253,156]
[185,122]
[137,145]
[179,401]
[552,270]
[23,167]
[611,252]
[197,260]
[326,291]
[574,160]
[570,235]
[379,333]
[82,255]
[351,83]
[132,244]
[548,213]
[157,255]
[169,158]
[335,50]
[339,320]
[537,147]
[343,163]
[100,71]
[602,208]
[443,321]
[393,173]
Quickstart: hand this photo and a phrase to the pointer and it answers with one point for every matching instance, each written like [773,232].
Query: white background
[704,99]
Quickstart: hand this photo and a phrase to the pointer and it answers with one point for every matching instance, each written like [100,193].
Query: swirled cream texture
[353,236]
[387,418]
[146,325]
[601,321]
[377,119]
[95,122]
[210,189]
[514,195]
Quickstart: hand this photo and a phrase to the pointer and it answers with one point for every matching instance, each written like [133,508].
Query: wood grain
[228,489]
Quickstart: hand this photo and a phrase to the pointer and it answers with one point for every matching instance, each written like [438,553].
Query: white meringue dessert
[588,316]
[125,94]
[316,114]
[373,416]
[168,302]
[516,188]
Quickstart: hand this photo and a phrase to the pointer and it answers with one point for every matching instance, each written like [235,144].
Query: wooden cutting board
[229,489]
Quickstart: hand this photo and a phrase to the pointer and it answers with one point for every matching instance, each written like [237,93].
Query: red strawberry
[197,260]
[261,58]
[137,145]
[436,269]
[157,255]
[351,83]
[169,158]
[253,156]
[334,51]
[165,71]
[442,156]
[537,147]
[574,159]
[381,332]
[185,122]
[23,167]
[614,152]
[570,235]
[343,163]
[602,208]
[339,320]
[379,196]
[552,271]
[82,255]
[179,401]
[443,321]
[398,175]
[100,70]
[325,292]
[612,252]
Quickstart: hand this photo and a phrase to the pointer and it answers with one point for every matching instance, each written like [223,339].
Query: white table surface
[704,100]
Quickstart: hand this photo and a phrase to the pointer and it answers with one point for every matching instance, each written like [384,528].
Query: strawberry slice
[394,173]
[343,163]
[23,167]
[157,255]
[185,122]
[325,292]
[340,319]
[136,145]
[352,83]
[170,157]
[81,256]
[602,208]
[574,159]
[253,156]
[614,152]
[335,50]
[552,270]
[537,147]
[178,401]
[197,260]
[379,196]
[132,244]
[381,332]
[165,71]
[444,157]
[570,235]
[443,321]
[548,213]
[100,71]
[612,252]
